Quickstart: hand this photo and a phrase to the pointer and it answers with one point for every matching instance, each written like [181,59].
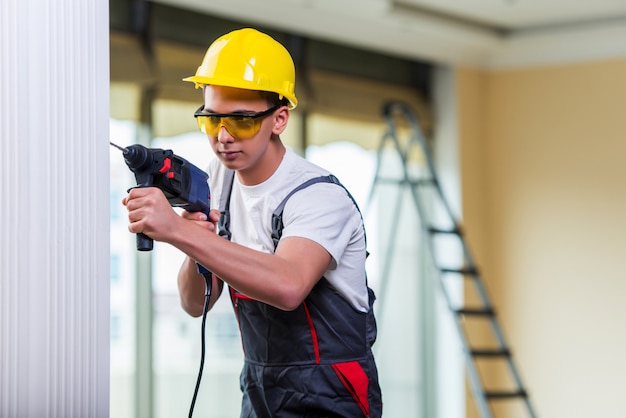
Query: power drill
[184,185]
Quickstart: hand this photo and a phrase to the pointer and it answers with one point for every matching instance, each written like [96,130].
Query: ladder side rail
[419,138]
[481,395]
[390,135]
[473,374]
[375,180]
[478,282]
[384,279]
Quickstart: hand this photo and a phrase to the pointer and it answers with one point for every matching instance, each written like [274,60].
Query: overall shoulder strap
[277,215]
[223,224]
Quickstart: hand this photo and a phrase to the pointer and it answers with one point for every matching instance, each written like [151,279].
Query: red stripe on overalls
[355,380]
[316,347]
[235,297]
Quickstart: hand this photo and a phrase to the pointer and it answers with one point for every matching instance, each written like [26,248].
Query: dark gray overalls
[315,361]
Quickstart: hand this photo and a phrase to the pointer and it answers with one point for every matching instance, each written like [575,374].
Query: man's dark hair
[273,99]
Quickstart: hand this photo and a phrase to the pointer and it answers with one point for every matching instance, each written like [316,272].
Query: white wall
[54,285]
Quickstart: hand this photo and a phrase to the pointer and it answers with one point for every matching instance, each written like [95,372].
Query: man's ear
[281,117]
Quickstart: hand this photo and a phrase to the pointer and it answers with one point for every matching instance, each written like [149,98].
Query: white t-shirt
[322,212]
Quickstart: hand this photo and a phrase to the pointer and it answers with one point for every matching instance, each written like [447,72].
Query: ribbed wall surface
[54,287]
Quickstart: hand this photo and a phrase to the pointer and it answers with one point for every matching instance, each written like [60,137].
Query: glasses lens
[239,126]
[208,124]
[201,123]
[242,127]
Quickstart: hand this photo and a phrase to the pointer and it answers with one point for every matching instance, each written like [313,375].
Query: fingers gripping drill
[183,184]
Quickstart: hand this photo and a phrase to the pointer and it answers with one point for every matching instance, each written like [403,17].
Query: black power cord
[207,296]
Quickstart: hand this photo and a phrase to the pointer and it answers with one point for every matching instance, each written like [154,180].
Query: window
[408,317]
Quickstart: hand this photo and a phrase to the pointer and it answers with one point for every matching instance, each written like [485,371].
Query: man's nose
[223,135]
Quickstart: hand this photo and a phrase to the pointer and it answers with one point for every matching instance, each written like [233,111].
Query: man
[296,278]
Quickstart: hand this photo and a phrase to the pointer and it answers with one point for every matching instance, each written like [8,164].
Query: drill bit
[118,147]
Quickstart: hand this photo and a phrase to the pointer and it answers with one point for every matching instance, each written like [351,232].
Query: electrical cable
[207,296]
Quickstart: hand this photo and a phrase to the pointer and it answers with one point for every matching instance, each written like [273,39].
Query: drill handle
[144,242]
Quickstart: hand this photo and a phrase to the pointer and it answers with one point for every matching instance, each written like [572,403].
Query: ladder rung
[454,231]
[420,182]
[488,352]
[476,311]
[467,271]
[423,182]
[390,181]
[506,394]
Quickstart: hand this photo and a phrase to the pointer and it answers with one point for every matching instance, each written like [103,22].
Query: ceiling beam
[381,25]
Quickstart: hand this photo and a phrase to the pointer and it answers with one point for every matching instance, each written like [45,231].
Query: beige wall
[543,156]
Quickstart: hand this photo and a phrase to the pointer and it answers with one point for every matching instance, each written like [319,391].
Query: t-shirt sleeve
[323,213]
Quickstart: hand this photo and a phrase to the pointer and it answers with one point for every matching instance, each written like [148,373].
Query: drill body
[184,185]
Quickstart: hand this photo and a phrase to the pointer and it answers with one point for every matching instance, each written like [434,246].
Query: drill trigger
[167,164]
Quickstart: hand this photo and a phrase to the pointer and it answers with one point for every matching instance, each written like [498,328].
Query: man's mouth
[229,154]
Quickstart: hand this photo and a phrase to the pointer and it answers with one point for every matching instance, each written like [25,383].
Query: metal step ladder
[427,193]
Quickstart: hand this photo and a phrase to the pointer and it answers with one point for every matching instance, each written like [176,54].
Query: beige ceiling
[520,15]
[485,33]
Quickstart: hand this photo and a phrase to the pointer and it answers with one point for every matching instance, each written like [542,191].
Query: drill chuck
[137,157]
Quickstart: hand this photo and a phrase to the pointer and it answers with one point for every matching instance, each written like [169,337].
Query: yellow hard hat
[251,60]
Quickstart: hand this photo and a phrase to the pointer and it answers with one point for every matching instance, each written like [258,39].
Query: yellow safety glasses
[239,125]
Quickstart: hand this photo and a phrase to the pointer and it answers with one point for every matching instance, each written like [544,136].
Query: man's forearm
[191,287]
